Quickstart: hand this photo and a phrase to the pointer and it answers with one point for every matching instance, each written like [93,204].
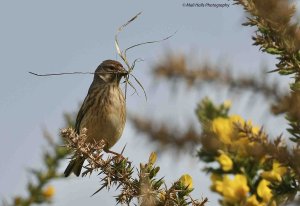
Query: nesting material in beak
[123,72]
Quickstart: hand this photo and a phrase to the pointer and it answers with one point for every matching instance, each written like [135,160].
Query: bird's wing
[86,105]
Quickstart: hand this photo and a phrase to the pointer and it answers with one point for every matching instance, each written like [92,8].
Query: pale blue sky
[72,35]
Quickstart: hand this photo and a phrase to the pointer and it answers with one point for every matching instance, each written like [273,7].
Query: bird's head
[110,71]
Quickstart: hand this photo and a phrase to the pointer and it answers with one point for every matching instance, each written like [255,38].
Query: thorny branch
[175,67]
[278,35]
[166,136]
[117,171]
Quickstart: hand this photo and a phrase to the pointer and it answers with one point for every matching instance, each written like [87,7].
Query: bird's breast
[107,120]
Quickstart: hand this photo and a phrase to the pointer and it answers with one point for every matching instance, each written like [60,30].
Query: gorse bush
[253,170]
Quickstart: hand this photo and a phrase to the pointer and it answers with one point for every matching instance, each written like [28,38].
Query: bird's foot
[112,152]
[118,155]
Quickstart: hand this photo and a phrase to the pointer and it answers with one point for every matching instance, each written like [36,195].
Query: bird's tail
[74,166]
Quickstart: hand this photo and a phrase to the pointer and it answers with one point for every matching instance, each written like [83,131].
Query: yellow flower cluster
[246,175]
[275,175]
[236,190]
[263,192]
[226,131]
[252,201]
[225,162]
[233,190]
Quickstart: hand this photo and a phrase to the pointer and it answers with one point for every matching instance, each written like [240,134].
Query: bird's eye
[110,68]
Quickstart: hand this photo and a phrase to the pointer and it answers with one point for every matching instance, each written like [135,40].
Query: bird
[103,111]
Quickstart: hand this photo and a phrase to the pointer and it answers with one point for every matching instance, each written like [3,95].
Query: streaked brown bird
[103,111]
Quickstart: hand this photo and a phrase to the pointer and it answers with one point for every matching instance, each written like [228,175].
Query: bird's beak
[123,72]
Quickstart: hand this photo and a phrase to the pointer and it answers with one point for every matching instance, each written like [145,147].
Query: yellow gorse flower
[276,173]
[255,130]
[187,181]
[233,190]
[252,201]
[152,158]
[226,131]
[236,189]
[49,192]
[225,162]
[217,183]
[264,191]
[236,119]
[222,127]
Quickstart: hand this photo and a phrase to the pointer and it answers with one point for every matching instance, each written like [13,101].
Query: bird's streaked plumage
[103,111]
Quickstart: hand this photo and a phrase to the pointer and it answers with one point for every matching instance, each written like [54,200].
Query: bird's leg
[112,152]
[119,155]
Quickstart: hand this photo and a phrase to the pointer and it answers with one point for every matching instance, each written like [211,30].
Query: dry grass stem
[123,55]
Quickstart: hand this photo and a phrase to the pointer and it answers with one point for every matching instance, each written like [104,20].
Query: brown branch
[117,170]
[165,136]
[175,67]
